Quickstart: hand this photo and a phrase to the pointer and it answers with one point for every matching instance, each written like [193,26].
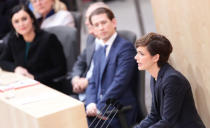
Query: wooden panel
[187,25]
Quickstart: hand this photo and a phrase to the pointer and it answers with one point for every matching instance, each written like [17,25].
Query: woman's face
[43,7]
[22,23]
[144,59]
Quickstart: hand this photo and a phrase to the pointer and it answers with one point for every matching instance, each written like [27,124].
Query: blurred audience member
[52,13]
[173,105]
[5,6]
[30,51]
[82,69]
[59,5]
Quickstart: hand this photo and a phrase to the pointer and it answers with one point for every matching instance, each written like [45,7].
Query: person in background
[59,5]
[82,69]
[5,6]
[30,51]
[114,67]
[172,99]
[52,13]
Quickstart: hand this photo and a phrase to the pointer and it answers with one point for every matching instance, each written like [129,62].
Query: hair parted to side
[20,7]
[102,10]
[95,6]
[156,44]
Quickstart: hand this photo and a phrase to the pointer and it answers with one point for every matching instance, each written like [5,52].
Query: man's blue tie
[103,59]
[102,64]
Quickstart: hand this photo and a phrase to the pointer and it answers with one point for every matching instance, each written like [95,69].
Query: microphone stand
[109,102]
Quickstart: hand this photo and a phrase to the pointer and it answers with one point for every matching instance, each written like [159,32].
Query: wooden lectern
[38,106]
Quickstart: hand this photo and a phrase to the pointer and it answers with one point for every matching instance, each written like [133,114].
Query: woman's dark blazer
[45,60]
[172,102]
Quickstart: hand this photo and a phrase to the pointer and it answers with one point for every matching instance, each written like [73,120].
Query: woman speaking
[172,100]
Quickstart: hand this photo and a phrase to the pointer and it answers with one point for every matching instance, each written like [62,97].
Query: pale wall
[187,25]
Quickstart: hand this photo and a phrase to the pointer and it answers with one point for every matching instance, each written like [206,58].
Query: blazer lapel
[157,91]
[153,90]
[90,53]
[157,85]
[91,44]
[114,46]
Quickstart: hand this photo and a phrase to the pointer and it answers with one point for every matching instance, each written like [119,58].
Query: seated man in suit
[82,69]
[114,67]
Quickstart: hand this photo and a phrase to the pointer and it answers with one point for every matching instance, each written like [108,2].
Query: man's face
[103,26]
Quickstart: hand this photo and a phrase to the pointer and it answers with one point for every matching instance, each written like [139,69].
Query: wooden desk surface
[39,106]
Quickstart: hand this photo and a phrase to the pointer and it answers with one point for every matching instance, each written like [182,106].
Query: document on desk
[18,84]
[35,98]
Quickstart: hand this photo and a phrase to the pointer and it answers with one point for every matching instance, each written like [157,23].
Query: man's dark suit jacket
[116,79]
[172,102]
[82,65]
[45,61]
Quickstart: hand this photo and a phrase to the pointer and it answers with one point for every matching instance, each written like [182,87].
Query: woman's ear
[156,57]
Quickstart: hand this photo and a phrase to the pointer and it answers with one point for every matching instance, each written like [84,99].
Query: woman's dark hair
[156,44]
[102,10]
[20,7]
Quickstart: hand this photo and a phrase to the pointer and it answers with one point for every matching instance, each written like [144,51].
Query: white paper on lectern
[33,99]
[19,84]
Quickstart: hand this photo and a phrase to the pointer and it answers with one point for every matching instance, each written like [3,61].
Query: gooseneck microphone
[109,102]
[100,115]
[111,109]
[113,112]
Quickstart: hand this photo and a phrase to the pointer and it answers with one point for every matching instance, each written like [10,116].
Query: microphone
[98,112]
[117,107]
[109,102]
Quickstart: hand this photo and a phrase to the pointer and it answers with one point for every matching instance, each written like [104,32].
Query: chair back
[71,4]
[3,42]
[128,35]
[78,24]
[139,78]
[68,38]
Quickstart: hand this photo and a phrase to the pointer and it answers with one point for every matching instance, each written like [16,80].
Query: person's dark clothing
[172,102]
[45,59]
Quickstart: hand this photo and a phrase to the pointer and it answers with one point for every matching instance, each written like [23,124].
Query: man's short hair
[98,11]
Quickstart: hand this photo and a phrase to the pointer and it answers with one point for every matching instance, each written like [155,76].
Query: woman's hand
[24,72]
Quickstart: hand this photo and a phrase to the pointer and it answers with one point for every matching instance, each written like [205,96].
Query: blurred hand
[91,109]
[29,75]
[83,82]
[23,71]
[20,70]
[79,84]
[74,80]
[75,84]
